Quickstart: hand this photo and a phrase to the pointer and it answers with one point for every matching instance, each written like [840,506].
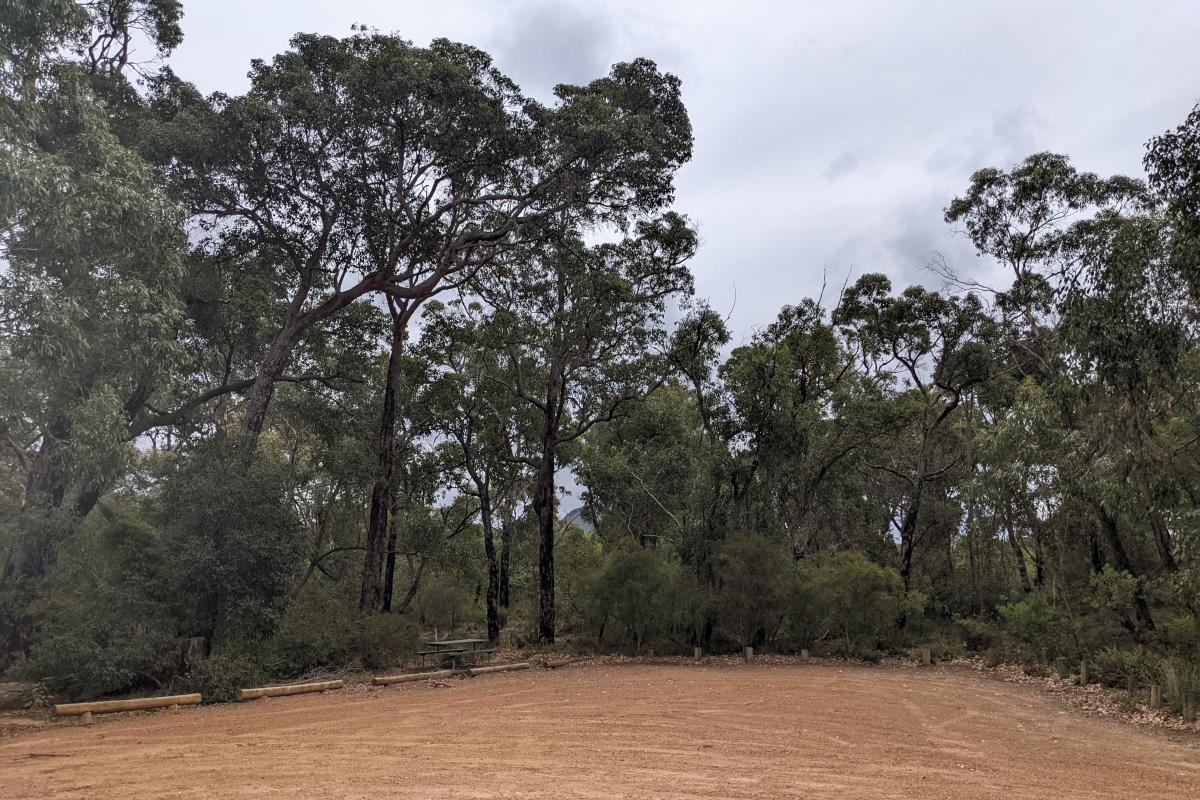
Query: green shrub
[977,635]
[1181,633]
[234,540]
[219,677]
[102,624]
[858,602]
[1034,622]
[323,629]
[755,579]
[631,600]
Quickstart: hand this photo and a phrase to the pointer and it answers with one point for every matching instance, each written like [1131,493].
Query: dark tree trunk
[46,484]
[493,567]
[543,507]
[412,588]
[389,570]
[1018,553]
[371,595]
[1162,540]
[1108,524]
[1096,555]
[506,523]
[908,538]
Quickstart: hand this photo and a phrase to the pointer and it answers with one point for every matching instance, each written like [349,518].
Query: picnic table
[454,647]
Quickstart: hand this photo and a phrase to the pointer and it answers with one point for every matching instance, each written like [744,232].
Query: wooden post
[1189,712]
[748,653]
[1155,696]
[804,654]
[1083,672]
[926,656]
[1063,666]
[696,653]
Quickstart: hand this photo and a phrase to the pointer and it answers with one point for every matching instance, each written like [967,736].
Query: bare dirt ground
[620,731]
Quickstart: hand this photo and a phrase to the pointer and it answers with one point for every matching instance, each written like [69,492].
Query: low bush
[1124,667]
[977,635]
[854,600]
[323,629]
[219,677]
[1035,623]
[1181,681]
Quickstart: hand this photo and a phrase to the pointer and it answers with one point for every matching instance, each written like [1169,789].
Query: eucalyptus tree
[90,262]
[470,409]
[1098,318]
[369,165]
[582,334]
[801,415]
[924,348]
[1173,165]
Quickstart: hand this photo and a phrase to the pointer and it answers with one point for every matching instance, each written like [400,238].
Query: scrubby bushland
[239,436]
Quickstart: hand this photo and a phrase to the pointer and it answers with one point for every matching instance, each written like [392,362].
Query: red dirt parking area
[619,731]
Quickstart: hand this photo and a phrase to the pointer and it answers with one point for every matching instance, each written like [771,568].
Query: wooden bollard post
[696,653]
[926,656]
[1063,666]
[804,654]
[1083,673]
[748,653]
[1155,696]
[1189,712]
[85,718]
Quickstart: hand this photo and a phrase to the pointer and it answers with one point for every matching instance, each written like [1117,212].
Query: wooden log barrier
[556,664]
[384,680]
[289,689]
[498,668]
[136,704]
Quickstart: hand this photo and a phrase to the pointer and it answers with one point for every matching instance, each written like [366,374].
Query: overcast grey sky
[829,135]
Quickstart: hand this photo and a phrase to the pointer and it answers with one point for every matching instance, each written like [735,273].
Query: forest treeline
[288,376]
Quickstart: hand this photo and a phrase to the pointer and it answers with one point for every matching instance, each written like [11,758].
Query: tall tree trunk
[506,524]
[493,568]
[543,507]
[1018,553]
[258,398]
[389,569]
[1162,539]
[371,595]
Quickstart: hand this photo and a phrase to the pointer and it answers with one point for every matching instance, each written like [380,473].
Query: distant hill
[577,519]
